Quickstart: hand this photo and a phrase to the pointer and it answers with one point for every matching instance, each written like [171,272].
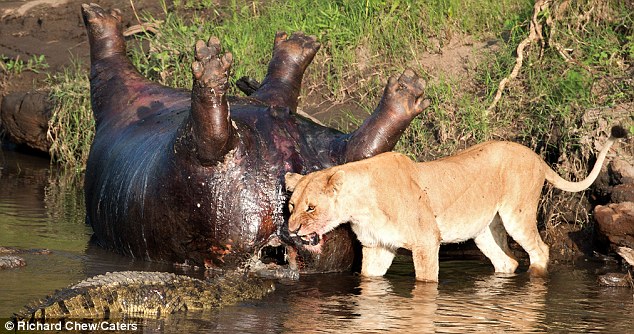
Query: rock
[622,170]
[24,117]
[623,193]
[615,280]
[14,250]
[615,221]
[627,254]
[11,261]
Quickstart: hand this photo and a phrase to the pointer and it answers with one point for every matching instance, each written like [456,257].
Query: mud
[54,29]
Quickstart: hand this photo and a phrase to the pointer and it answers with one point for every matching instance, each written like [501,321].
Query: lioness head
[313,206]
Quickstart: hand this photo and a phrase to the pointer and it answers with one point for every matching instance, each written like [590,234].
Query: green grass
[391,32]
[10,66]
[71,126]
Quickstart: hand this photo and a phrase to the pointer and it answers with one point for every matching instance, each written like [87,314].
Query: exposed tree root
[534,35]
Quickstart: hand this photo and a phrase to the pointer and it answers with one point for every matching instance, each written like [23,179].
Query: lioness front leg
[426,261]
[376,261]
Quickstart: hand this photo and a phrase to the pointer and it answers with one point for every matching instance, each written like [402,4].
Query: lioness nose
[294,232]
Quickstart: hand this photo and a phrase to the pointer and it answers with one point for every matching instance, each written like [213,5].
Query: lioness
[481,193]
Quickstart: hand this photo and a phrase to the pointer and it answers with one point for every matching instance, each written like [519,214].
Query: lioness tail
[616,133]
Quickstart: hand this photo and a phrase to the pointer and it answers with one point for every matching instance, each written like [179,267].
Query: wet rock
[627,254]
[615,221]
[24,117]
[615,280]
[614,188]
[13,250]
[11,261]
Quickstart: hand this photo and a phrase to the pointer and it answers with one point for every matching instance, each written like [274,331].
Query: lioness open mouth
[312,239]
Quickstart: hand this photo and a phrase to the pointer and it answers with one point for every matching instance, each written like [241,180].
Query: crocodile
[138,294]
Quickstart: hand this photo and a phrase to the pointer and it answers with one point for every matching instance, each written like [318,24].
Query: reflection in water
[399,303]
[30,219]
[380,305]
[38,209]
[510,303]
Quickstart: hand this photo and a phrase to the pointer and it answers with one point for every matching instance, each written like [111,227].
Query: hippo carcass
[196,176]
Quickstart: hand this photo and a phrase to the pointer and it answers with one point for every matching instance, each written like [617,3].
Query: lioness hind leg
[521,225]
[376,261]
[494,245]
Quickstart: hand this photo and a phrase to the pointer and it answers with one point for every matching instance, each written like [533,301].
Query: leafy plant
[17,66]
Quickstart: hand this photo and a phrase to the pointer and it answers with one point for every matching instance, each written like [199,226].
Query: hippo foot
[213,134]
[291,57]
[211,69]
[405,95]
[299,48]
[101,23]
[401,102]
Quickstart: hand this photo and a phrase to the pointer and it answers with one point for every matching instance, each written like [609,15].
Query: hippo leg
[402,101]
[116,85]
[104,32]
[212,132]
[283,80]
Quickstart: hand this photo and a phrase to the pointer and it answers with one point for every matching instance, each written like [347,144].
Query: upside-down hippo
[197,176]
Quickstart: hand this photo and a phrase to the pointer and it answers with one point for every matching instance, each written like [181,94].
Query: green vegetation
[389,35]
[17,66]
[583,61]
[11,67]
[71,126]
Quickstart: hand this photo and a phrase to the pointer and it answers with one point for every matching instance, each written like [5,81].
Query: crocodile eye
[310,208]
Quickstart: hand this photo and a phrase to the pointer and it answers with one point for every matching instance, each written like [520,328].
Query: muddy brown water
[39,210]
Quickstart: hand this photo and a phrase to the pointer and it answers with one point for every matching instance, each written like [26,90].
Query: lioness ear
[336,180]
[291,180]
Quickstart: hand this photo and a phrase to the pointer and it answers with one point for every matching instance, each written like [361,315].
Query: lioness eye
[291,206]
[310,208]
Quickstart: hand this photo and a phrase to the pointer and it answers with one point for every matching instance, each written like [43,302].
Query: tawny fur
[482,193]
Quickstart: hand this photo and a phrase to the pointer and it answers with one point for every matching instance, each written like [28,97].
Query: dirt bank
[55,29]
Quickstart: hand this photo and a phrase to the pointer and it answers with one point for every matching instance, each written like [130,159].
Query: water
[40,209]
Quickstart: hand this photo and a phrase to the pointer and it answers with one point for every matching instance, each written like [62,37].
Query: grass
[585,62]
[391,32]
[11,67]
[71,126]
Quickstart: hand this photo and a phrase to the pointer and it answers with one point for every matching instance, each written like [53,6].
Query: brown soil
[55,29]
